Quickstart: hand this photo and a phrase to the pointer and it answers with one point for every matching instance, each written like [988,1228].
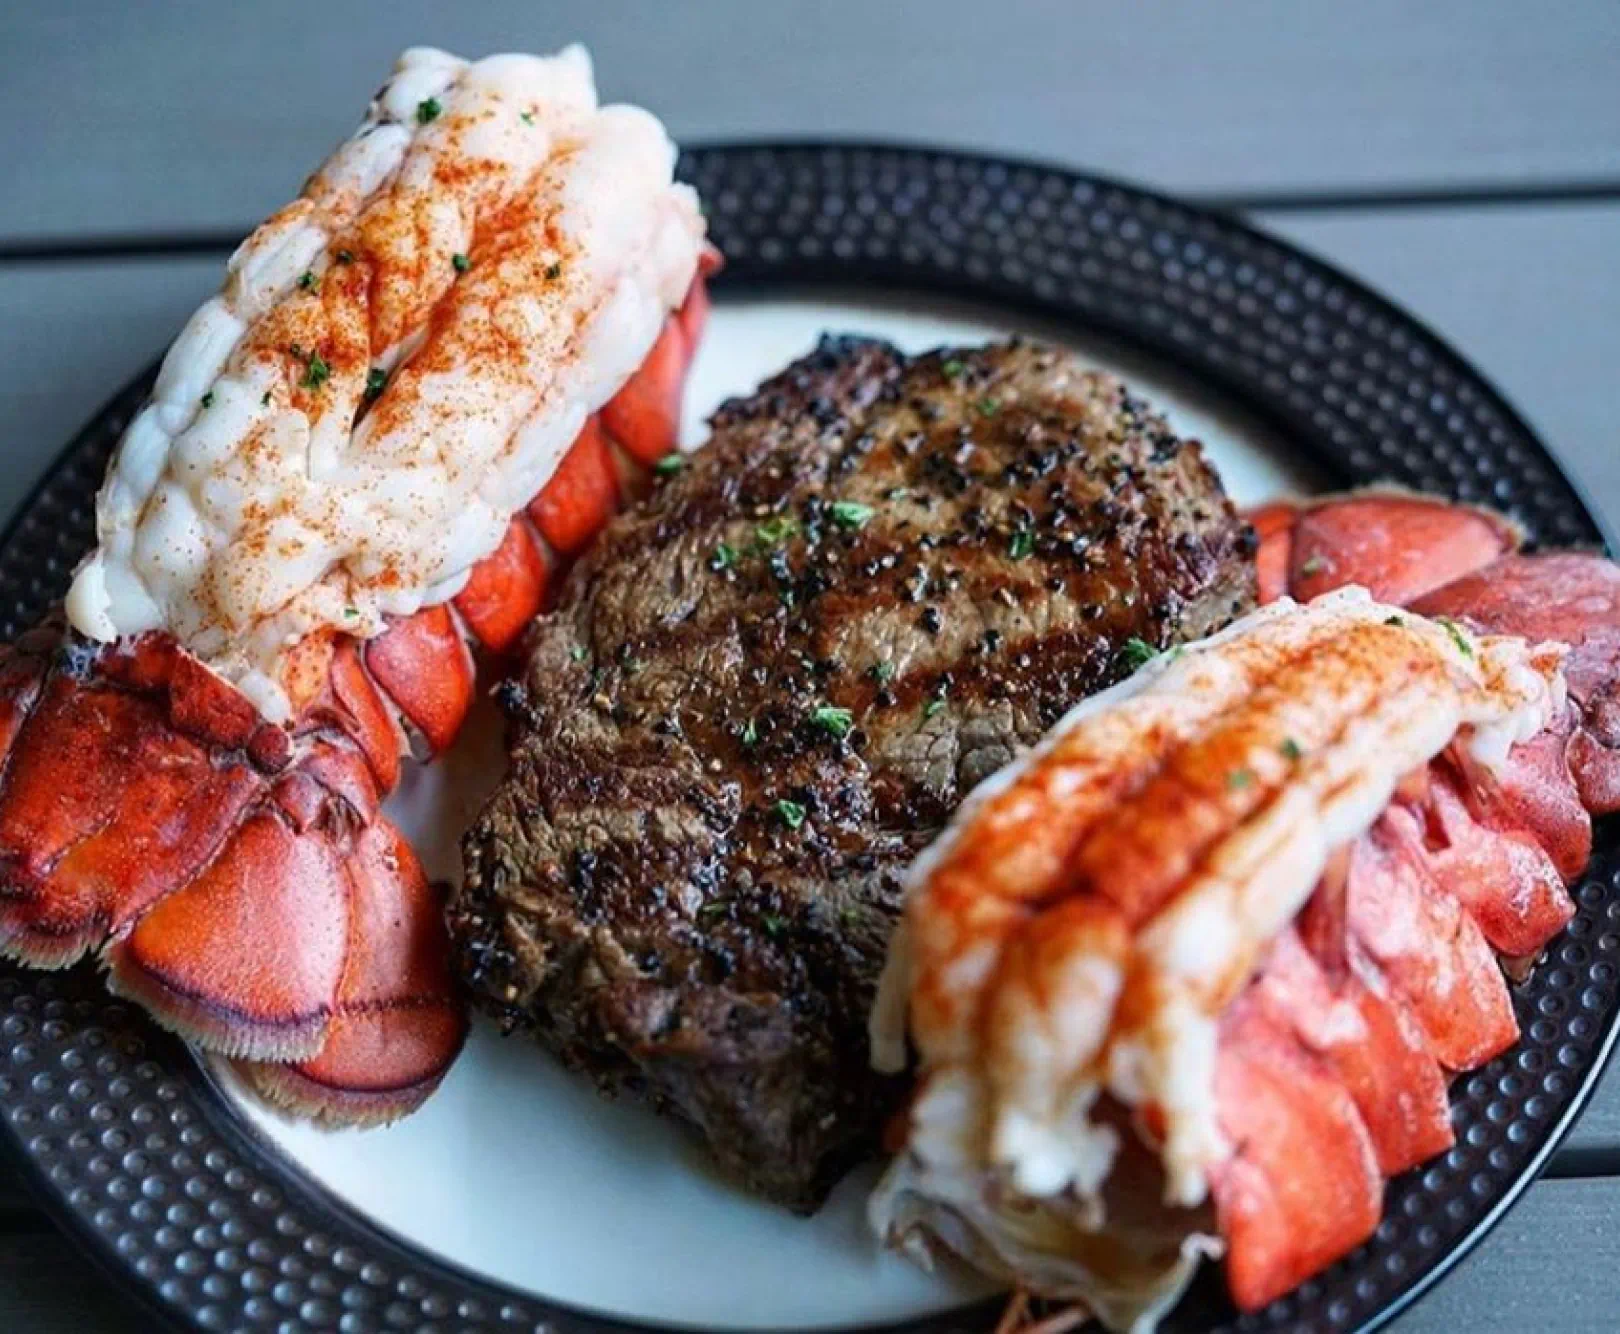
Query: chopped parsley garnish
[897,493]
[1457,636]
[713,908]
[527,117]
[376,382]
[1393,620]
[578,653]
[1291,750]
[724,558]
[790,813]
[308,282]
[351,612]
[316,372]
[670,463]
[834,721]
[933,706]
[883,672]
[750,733]
[775,530]
[344,257]
[952,368]
[1138,653]
[988,407]
[851,513]
[774,925]
[208,399]
[1239,779]
[1314,565]
[553,272]
[1021,544]
[459,262]
[264,399]
[427,109]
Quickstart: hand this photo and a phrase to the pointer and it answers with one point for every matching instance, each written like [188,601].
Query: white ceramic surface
[519,1171]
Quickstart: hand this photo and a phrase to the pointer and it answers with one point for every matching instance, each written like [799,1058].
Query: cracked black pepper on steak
[765,689]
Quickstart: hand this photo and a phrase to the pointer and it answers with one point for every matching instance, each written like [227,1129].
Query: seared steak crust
[764,691]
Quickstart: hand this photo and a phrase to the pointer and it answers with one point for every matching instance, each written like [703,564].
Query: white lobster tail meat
[1071,945]
[398,362]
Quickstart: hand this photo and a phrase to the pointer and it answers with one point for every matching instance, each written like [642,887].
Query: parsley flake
[1457,636]
[834,721]
[851,514]
[952,368]
[527,117]
[933,706]
[791,813]
[316,372]
[1239,779]
[774,925]
[1314,565]
[578,653]
[1021,544]
[1138,653]
[427,109]
[376,382]
[1291,750]
[553,272]
[264,399]
[1393,620]
[669,464]
[775,530]
[724,558]
[344,257]
[883,672]
[988,407]
[308,282]
[208,399]
[750,733]
[459,262]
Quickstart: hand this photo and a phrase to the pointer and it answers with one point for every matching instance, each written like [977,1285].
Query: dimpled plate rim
[134,1151]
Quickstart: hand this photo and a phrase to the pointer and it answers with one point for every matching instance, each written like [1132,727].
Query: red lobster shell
[237,878]
[1334,1062]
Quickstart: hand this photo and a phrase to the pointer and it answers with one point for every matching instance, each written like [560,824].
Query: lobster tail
[1332,831]
[236,878]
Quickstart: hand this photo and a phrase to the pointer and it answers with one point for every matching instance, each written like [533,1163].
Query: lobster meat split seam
[489,296]
[1222,940]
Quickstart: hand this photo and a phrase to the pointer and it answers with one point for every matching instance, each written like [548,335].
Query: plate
[517,1199]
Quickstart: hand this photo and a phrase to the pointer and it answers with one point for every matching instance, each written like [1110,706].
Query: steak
[765,690]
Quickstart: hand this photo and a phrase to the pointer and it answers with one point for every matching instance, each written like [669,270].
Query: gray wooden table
[1464,157]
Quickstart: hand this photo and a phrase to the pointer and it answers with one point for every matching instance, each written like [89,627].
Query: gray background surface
[1461,156]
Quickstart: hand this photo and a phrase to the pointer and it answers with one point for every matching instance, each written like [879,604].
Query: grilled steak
[768,687]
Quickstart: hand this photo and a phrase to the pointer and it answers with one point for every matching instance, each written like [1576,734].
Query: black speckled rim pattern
[132,1148]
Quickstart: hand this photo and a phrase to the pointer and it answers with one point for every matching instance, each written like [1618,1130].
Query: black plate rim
[743,278]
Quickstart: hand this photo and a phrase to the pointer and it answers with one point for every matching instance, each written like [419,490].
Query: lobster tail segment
[397,1023]
[1396,544]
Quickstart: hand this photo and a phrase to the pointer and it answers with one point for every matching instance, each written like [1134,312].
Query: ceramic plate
[518,1199]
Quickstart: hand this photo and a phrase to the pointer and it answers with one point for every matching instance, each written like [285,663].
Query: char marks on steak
[766,689]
